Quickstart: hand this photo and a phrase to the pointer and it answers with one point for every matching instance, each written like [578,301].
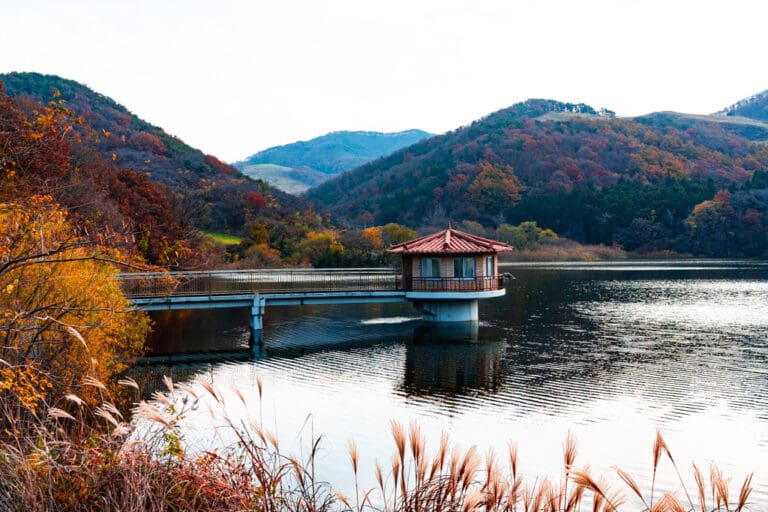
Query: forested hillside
[666,181]
[120,181]
[48,164]
[300,165]
[209,193]
[657,182]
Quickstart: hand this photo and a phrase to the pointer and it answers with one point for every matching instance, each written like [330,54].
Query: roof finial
[449,224]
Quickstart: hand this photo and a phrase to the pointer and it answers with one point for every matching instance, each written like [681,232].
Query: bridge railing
[232,282]
[453,284]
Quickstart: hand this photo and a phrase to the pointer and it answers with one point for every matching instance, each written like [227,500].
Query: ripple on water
[609,352]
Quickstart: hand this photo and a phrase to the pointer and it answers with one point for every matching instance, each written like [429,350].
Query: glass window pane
[469,267]
[464,267]
[430,267]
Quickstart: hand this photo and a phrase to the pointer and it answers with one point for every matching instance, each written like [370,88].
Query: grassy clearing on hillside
[288,179]
[223,238]
[261,169]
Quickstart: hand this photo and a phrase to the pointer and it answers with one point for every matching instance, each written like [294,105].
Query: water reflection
[450,359]
[191,331]
[609,352]
[453,359]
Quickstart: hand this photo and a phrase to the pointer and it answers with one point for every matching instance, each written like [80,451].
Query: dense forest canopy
[45,152]
[652,182]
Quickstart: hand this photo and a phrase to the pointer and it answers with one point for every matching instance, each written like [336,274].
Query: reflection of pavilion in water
[438,359]
[452,359]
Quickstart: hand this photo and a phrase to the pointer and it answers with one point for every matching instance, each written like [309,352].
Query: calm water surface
[609,352]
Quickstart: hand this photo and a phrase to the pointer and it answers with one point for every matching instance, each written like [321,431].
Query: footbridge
[258,289]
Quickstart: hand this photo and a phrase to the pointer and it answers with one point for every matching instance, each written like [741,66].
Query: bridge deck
[266,299]
[445,299]
[143,285]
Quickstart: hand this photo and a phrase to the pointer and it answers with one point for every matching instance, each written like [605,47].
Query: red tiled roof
[450,241]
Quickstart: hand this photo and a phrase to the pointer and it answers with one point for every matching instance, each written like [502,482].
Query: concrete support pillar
[257,320]
[449,310]
[257,342]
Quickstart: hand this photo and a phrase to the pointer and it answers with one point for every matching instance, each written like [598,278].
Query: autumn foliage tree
[711,225]
[495,188]
[45,149]
[526,235]
[63,316]
[34,145]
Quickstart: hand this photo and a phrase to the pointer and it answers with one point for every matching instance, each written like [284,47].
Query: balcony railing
[455,284]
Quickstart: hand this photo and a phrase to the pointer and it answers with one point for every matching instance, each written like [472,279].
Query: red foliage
[147,142]
[753,219]
[155,224]
[219,165]
[255,200]
[34,148]
[723,196]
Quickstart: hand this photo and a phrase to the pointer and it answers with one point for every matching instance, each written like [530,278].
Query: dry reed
[68,462]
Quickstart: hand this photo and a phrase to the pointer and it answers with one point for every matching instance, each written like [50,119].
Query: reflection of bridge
[257,289]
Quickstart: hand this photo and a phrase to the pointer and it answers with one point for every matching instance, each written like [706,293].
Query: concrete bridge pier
[257,340]
[257,320]
[440,311]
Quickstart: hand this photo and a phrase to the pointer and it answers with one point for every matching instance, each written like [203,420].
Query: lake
[607,351]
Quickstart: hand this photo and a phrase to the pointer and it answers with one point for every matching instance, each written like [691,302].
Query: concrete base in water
[448,310]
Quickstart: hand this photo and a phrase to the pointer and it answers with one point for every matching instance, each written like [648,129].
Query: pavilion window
[489,266]
[464,267]
[430,268]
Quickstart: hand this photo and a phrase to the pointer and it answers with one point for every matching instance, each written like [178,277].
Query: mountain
[210,194]
[650,181]
[298,166]
[754,107]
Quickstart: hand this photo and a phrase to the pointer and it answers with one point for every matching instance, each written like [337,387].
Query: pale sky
[232,77]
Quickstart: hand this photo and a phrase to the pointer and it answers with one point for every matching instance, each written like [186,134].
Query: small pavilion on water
[445,273]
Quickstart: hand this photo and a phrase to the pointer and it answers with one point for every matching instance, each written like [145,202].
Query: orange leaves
[63,312]
[35,144]
[219,165]
[495,187]
[317,245]
[25,385]
[373,237]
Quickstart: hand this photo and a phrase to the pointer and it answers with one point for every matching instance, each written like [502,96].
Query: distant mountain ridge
[300,165]
[754,107]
